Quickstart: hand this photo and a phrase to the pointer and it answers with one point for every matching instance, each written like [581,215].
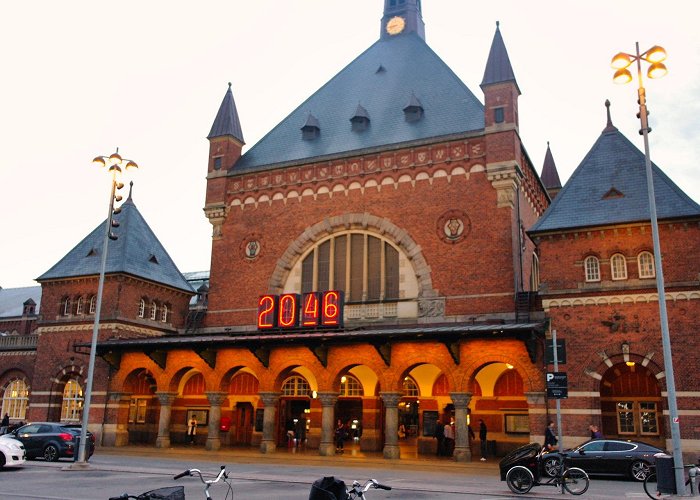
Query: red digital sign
[315,309]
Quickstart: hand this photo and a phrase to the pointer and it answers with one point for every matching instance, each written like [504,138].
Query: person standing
[483,431]
[300,431]
[339,437]
[5,424]
[550,437]
[440,436]
[192,429]
[449,439]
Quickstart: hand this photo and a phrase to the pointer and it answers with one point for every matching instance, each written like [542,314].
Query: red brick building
[394,185]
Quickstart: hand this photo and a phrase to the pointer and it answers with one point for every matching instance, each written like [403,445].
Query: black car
[52,440]
[607,457]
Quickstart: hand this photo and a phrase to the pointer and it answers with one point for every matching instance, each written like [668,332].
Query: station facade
[386,256]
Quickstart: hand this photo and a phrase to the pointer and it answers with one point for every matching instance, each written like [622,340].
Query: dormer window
[413,111]
[311,129]
[360,120]
[218,162]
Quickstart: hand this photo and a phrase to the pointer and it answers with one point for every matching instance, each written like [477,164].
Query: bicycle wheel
[575,481]
[650,487]
[520,479]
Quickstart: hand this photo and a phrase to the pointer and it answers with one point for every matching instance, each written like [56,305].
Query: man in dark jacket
[482,437]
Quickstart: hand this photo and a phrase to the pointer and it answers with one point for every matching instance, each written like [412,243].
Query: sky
[81,78]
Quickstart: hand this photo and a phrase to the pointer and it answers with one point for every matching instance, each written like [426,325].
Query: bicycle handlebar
[181,474]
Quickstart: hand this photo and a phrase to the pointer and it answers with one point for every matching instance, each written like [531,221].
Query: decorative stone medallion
[453,226]
[251,247]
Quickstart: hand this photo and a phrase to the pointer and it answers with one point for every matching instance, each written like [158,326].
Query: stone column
[268,443]
[391,424]
[463,452]
[213,430]
[327,446]
[166,407]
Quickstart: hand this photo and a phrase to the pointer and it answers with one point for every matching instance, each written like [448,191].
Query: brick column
[115,428]
[327,446]
[463,452]
[391,424]
[166,407]
[213,431]
[268,443]
[537,412]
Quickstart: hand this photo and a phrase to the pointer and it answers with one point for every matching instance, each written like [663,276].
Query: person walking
[192,429]
[595,432]
[483,431]
[550,437]
[5,424]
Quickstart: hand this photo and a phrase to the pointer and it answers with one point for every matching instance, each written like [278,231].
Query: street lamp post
[621,61]
[115,163]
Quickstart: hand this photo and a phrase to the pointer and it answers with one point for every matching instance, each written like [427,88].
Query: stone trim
[361,221]
[547,304]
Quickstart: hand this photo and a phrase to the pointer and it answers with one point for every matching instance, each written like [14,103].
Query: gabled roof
[610,187]
[12,300]
[226,121]
[137,251]
[498,68]
[382,79]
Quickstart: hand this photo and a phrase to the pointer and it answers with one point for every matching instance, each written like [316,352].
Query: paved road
[253,476]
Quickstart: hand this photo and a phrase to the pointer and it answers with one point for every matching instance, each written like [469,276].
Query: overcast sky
[80,78]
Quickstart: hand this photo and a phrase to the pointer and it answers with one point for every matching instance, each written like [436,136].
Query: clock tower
[402,16]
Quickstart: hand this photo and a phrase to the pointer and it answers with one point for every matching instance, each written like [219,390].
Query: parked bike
[178,492]
[330,488]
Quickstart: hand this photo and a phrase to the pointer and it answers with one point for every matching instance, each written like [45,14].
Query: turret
[500,88]
[225,138]
[550,176]
[400,17]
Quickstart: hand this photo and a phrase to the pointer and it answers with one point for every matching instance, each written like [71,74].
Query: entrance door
[291,410]
[243,424]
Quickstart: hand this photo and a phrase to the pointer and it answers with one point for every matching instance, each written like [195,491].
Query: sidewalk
[293,456]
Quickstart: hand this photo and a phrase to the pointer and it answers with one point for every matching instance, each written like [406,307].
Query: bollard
[692,474]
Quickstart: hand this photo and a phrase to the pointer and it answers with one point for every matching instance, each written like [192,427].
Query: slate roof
[137,251]
[610,187]
[12,300]
[550,176]
[226,121]
[382,80]
[498,68]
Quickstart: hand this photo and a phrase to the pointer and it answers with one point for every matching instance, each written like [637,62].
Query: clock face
[395,25]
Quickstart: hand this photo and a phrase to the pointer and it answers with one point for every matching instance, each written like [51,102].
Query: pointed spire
[550,176]
[131,188]
[226,121]
[498,67]
[609,127]
[401,17]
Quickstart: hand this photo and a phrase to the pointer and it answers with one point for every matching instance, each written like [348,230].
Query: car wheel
[2,460]
[639,470]
[551,466]
[51,453]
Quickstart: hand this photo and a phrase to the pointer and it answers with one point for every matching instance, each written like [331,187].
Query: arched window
[93,304]
[154,310]
[79,306]
[65,306]
[295,386]
[142,308]
[618,266]
[592,267]
[164,313]
[72,401]
[410,388]
[14,400]
[350,386]
[645,261]
[364,266]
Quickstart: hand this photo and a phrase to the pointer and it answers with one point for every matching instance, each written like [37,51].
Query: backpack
[328,488]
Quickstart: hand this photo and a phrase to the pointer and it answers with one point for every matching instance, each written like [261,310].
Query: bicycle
[178,492]
[521,479]
[330,488]
[650,482]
